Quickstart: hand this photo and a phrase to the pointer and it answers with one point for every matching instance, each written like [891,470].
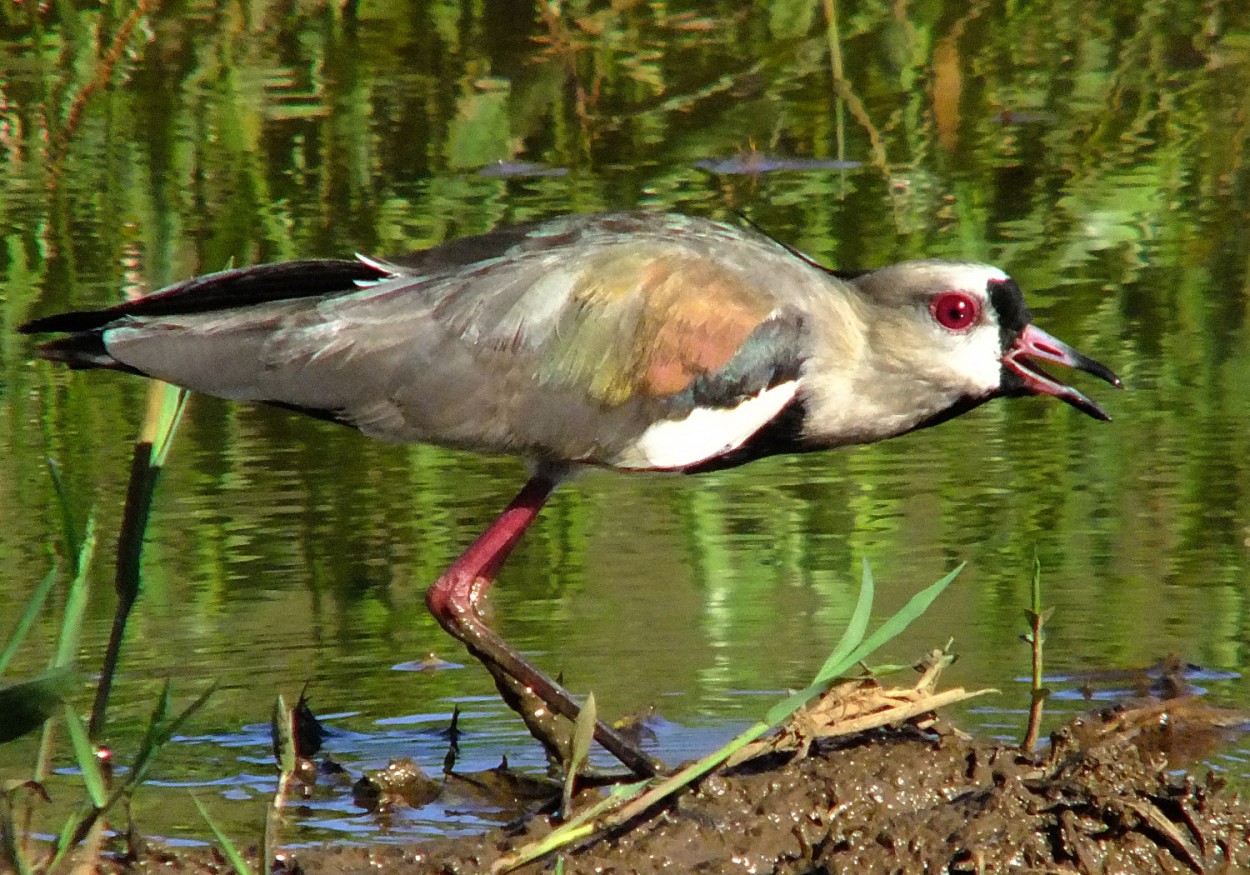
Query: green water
[1100,159]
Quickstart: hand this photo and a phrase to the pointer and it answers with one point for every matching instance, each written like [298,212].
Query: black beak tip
[1097,368]
[1089,408]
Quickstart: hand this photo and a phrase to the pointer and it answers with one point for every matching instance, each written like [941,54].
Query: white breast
[706,433]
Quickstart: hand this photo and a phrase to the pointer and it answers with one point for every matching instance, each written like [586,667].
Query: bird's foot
[554,730]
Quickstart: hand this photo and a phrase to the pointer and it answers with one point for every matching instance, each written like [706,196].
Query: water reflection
[1101,161]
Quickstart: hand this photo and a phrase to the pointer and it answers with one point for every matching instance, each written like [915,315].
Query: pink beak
[1034,343]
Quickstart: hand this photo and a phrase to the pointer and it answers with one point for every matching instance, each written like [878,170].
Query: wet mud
[1106,796]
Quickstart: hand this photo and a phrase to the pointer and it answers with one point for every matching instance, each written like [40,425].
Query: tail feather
[83,350]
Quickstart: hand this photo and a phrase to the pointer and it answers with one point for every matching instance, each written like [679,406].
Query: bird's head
[964,330]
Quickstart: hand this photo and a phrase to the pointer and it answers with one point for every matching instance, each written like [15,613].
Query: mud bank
[1105,797]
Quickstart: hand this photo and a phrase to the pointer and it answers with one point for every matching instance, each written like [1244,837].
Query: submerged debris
[402,782]
[308,731]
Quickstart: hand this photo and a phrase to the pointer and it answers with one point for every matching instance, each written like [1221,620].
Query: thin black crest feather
[840,273]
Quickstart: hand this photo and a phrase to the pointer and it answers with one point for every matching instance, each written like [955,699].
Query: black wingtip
[81,351]
[63,323]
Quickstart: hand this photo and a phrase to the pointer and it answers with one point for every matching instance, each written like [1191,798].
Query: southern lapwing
[635,341]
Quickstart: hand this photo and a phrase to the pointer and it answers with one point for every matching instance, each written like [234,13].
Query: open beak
[1034,343]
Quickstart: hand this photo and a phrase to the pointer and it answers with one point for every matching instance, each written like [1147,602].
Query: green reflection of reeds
[1099,157]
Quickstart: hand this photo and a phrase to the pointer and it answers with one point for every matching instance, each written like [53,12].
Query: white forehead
[966,275]
[910,280]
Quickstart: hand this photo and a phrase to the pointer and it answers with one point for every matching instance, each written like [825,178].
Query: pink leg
[453,599]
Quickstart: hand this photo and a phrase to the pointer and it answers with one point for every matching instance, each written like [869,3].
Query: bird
[638,341]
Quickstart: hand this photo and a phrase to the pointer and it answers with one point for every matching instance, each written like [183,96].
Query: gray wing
[620,340]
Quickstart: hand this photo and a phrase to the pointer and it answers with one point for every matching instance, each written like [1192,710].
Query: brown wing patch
[642,324]
[695,317]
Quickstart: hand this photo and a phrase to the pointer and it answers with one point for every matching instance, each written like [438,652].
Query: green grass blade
[834,668]
[891,628]
[835,663]
[186,712]
[84,753]
[173,404]
[160,730]
[228,848]
[33,605]
[165,406]
[69,530]
[579,751]
[157,722]
[282,727]
[75,603]
[855,629]
[75,825]
[153,740]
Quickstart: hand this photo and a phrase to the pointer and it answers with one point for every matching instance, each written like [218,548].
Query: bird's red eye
[957,311]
